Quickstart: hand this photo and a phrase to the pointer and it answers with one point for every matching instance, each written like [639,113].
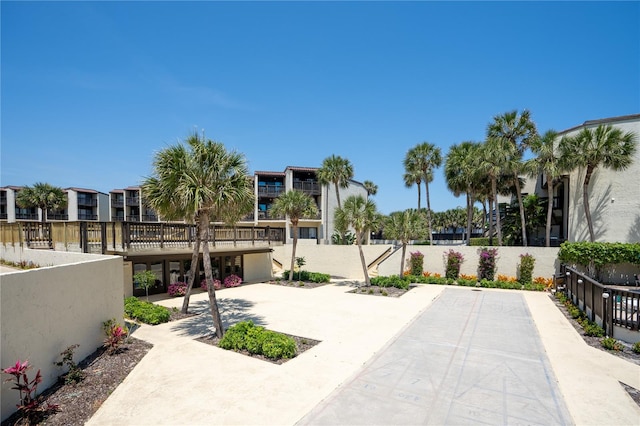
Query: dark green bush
[600,254]
[481,241]
[534,287]
[393,281]
[636,347]
[145,312]
[315,277]
[257,340]
[592,329]
[466,283]
[611,344]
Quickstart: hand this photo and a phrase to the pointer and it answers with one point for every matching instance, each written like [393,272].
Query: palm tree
[606,147]
[198,182]
[550,165]
[520,131]
[43,196]
[412,176]
[372,188]
[494,155]
[335,170]
[425,157]
[362,216]
[296,205]
[461,174]
[404,226]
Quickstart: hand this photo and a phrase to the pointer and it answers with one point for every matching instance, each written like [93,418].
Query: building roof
[88,191]
[590,123]
[263,173]
[302,169]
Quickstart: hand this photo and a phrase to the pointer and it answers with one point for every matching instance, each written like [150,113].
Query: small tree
[145,279]
[300,263]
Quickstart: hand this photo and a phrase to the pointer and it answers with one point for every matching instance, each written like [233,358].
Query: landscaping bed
[375,290]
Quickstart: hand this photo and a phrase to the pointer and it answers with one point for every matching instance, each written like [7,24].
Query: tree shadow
[232,311]
[598,209]
[348,283]
[634,230]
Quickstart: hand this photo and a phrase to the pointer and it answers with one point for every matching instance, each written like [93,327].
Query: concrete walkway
[542,365]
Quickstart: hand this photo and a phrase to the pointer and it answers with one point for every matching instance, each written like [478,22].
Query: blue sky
[91,90]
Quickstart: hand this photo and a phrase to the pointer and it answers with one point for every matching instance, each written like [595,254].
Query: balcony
[308,187]
[133,201]
[117,203]
[3,216]
[89,202]
[118,218]
[133,218]
[267,215]
[270,190]
[86,216]
[27,216]
[149,218]
[57,216]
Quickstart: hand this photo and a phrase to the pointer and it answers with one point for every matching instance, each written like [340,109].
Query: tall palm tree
[549,164]
[607,147]
[461,173]
[494,156]
[43,196]
[335,170]
[426,157]
[296,205]
[197,181]
[519,130]
[372,188]
[412,176]
[360,214]
[404,226]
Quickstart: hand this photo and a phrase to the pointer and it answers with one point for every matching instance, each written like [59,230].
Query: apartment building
[127,205]
[82,205]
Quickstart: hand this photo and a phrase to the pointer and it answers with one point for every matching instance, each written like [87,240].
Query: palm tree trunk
[522,218]
[585,197]
[364,263]
[469,214]
[337,194]
[206,258]
[491,221]
[404,253]
[192,271]
[494,189]
[426,187]
[293,250]
[547,234]
[418,197]
[484,215]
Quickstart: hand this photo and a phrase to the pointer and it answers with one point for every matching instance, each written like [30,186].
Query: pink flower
[17,369]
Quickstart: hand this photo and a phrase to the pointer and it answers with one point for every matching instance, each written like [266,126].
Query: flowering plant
[416,261]
[217,285]
[454,260]
[116,334]
[487,263]
[177,289]
[232,281]
[29,403]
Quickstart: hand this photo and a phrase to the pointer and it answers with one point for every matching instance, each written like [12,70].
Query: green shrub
[636,347]
[392,281]
[592,329]
[611,344]
[315,277]
[525,268]
[257,340]
[600,254]
[466,283]
[534,287]
[145,312]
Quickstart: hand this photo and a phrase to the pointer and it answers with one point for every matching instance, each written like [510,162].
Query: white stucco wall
[508,260]
[330,203]
[337,261]
[614,198]
[257,267]
[43,311]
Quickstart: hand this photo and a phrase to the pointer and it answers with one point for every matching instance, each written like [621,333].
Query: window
[307,233]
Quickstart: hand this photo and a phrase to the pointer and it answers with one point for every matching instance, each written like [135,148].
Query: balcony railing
[133,218]
[133,201]
[308,187]
[118,218]
[57,216]
[91,202]
[27,216]
[149,218]
[3,216]
[86,216]
[270,190]
[266,215]
[117,203]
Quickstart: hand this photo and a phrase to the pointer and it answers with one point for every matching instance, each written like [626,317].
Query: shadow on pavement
[232,311]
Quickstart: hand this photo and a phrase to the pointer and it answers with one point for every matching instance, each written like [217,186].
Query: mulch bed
[103,373]
[297,284]
[302,343]
[374,290]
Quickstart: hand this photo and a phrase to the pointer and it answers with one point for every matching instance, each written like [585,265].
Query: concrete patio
[463,338]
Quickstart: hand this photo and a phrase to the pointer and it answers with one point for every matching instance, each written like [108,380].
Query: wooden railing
[126,236]
[611,306]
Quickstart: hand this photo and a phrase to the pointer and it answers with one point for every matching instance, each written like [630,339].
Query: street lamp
[605,299]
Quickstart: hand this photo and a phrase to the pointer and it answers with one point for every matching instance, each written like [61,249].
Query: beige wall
[337,261]
[508,259]
[257,267]
[45,310]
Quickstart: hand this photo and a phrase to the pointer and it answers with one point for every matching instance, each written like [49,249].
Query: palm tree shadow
[347,283]
[232,311]
[634,230]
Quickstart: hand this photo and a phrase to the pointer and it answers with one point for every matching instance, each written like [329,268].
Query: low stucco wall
[335,260]
[43,311]
[508,259]
[257,267]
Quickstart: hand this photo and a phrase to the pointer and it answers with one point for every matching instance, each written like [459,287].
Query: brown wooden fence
[613,306]
[125,236]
